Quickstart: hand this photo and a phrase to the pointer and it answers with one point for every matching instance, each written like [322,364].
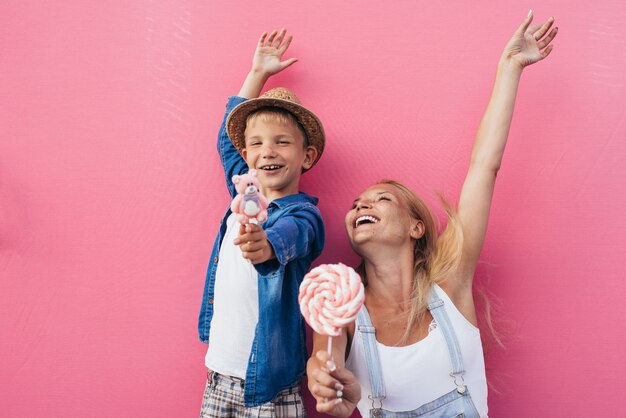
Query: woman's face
[379,216]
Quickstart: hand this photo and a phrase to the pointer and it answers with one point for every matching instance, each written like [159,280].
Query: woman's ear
[417,229]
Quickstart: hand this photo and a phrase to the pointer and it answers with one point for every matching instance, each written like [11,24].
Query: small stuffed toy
[249,202]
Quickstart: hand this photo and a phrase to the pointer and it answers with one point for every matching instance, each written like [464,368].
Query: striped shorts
[223,397]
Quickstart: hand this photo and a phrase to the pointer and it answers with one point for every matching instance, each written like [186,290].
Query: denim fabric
[456,403]
[295,230]
[451,405]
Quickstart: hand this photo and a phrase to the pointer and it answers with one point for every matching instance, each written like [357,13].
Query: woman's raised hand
[530,44]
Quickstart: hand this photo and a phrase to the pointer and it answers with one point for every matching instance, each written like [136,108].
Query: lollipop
[330,298]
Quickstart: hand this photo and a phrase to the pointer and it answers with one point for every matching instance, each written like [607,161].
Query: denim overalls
[456,403]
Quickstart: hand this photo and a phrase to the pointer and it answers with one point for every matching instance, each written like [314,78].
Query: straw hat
[282,98]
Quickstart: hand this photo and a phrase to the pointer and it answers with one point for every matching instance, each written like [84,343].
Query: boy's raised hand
[254,244]
[266,62]
[269,52]
[530,44]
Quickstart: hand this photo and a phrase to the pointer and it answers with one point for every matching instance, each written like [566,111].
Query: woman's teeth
[366,219]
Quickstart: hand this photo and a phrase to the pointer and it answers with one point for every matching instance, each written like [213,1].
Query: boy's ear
[244,154]
[310,155]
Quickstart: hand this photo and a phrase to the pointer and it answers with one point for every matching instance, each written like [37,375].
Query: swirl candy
[330,298]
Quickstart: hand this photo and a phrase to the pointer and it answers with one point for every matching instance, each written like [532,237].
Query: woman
[415,348]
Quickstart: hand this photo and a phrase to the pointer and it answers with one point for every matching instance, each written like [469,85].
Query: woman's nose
[363,205]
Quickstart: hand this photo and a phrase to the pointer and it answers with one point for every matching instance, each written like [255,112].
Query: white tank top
[235,309]
[420,373]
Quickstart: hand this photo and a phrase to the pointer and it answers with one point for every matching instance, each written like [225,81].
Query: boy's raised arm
[232,162]
[265,63]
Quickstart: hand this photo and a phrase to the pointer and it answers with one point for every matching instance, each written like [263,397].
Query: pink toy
[249,202]
[330,298]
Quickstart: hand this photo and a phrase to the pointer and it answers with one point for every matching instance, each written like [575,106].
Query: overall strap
[438,311]
[368,335]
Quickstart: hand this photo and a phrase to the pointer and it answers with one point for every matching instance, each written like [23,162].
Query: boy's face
[276,150]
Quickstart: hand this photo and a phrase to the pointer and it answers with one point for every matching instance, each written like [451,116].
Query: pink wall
[110,190]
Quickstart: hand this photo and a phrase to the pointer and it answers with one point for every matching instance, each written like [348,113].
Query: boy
[250,315]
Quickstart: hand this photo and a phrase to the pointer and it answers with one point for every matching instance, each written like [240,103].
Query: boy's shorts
[223,397]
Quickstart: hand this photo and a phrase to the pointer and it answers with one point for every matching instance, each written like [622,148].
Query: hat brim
[236,122]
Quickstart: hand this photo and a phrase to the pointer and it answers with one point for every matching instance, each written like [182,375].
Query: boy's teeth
[271,167]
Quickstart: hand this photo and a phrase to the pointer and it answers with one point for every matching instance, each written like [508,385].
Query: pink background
[111,192]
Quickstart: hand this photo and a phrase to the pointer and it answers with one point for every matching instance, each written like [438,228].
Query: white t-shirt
[420,373]
[235,308]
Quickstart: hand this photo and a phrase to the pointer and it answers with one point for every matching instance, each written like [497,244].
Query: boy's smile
[277,151]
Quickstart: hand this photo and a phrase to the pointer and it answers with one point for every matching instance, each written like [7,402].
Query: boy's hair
[281,116]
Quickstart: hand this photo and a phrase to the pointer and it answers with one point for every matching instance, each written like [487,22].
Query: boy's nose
[267,151]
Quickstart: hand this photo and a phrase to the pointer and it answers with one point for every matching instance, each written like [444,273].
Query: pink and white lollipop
[330,298]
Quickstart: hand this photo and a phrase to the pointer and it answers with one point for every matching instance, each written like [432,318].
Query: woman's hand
[335,389]
[269,52]
[530,44]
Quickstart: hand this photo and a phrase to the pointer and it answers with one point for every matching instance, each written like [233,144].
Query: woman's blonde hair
[435,255]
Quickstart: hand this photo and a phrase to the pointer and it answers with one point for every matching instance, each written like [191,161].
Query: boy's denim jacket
[295,230]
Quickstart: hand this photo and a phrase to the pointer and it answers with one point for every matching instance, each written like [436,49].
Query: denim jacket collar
[294,198]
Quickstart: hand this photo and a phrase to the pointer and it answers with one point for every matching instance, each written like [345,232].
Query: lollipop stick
[330,345]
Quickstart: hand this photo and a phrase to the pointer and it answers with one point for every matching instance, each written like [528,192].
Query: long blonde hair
[435,255]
